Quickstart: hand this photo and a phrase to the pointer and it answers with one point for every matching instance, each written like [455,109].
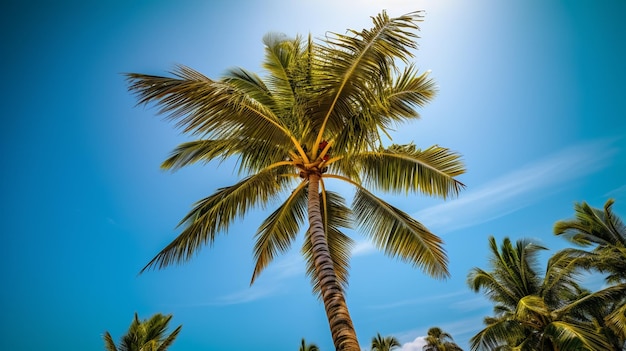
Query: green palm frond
[251,85]
[617,320]
[109,344]
[560,284]
[517,265]
[496,334]
[251,155]
[409,90]
[336,216]
[595,300]
[398,234]
[214,214]
[351,65]
[532,311]
[405,168]
[282,57]
[479,279]
[593,226]
[213,109]
[169,340]
[570,336]
[278,231]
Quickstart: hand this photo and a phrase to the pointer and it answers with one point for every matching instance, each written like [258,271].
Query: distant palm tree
[384,344]
[321,115]
[605,232]
[307,347]
[438,340]
[548,313]
[147,335]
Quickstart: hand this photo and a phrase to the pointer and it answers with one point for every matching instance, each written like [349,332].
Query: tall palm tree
[387,343]
[322,112]
[439,340]
[533,312]
[605,232]
[147,335]
[307,347]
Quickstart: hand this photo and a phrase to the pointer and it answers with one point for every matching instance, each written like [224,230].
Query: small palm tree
[321,114]
[307,347]
[547,313]
[384,344]
[439,340]
[605,232]
[147,335]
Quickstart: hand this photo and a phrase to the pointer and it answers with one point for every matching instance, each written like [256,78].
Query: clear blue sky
[531,93]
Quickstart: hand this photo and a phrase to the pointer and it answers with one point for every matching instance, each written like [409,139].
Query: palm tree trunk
[341,328]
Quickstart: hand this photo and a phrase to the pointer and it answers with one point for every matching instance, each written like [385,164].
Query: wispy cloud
[421,300]
[244,296]
[362,248]
[617,191]
[519,188]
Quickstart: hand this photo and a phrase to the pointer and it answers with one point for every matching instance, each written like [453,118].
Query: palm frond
[398,234]
[213,215]
[560,284]
[571,336]
[595,300]
[169,340]
[251,155]
[617,320]
[336,216]
[278,231]
[496,334]
[109,344]
[409,90]
[495,289]
[405,168]
[593,226]
[532,310]
[352,63]
[213,109]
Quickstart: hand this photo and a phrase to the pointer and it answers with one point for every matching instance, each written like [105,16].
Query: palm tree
[321,113]
[606,232]
[538,313]
[147,335]
[384,344]
[438,340]
[307,347]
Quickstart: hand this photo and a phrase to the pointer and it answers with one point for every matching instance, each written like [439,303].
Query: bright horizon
[530,93]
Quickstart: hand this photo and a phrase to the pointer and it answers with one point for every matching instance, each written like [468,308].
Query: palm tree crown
[145,335]
[322,112]
[307,347]
[538,313]
[439,340]
[387,343]
[606,233]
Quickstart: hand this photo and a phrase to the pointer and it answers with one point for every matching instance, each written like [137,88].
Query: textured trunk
[341,328]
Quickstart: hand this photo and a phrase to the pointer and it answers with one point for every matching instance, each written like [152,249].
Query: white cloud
[415,345]
[509,193]
[363,248]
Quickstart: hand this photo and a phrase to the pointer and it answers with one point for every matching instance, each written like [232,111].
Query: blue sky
[530,92]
